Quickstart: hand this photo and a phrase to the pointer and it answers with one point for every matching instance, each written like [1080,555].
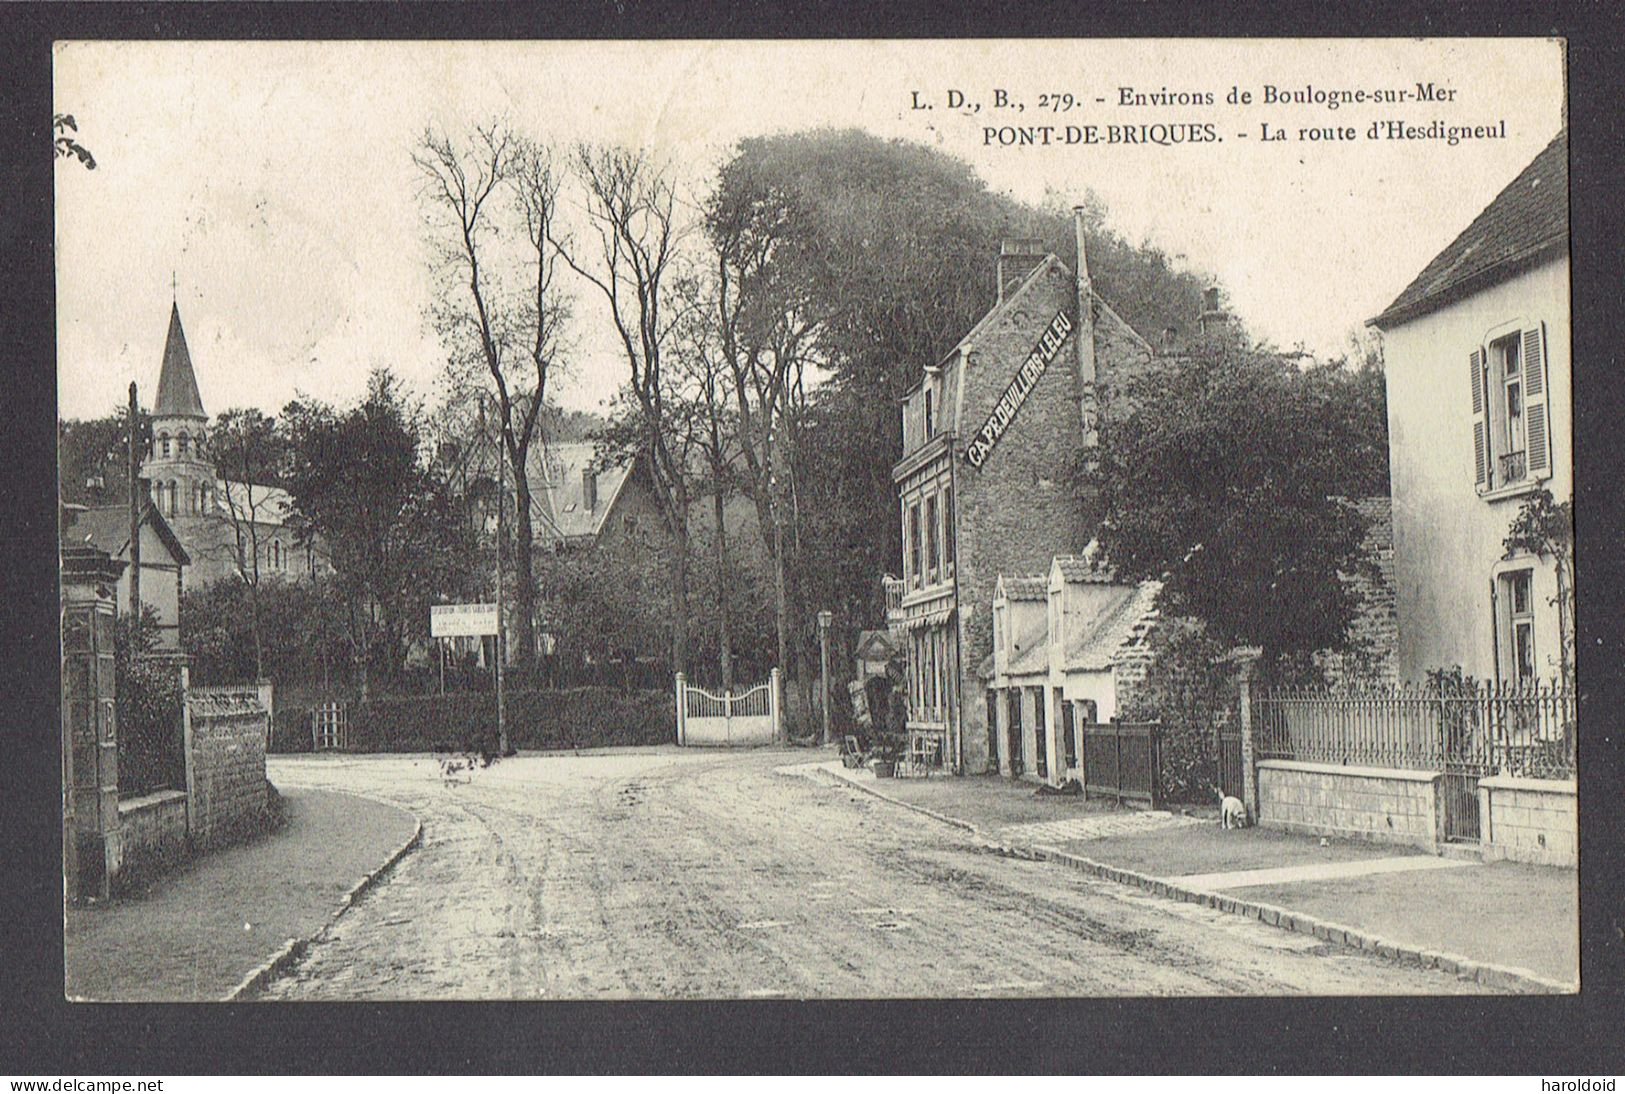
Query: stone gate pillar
[90,823]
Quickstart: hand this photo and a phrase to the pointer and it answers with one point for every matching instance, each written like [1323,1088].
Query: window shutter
[1481,425]
[1539,441]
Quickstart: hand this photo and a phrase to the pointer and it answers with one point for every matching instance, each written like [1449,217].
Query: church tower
[178,467]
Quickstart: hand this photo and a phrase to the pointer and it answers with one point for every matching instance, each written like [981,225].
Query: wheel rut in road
[664,874]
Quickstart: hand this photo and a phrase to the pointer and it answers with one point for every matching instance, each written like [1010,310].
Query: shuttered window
[1481,438]
[1537,427]
[1511,426]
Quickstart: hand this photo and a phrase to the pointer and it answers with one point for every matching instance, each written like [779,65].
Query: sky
[273,181]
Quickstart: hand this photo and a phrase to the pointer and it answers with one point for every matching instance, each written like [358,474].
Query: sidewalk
[1510,915]
[195,934]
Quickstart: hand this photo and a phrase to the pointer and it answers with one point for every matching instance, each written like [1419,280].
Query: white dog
[1232,813]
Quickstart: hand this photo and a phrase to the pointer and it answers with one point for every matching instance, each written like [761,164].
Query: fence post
[775,681]
[682,708]
[186,750]
[1249,776]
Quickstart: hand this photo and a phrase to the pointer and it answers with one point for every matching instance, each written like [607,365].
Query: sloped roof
[107,528]
[1024,588]
[1527,221]
[560,493]
[875,645]
[1083,569]
[1029,644]
[177,385]
[1099,647]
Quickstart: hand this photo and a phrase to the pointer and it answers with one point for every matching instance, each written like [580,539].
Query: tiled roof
[107,528]
[177,386]
[1075,568]
[1024,588]
[1126,623]
[1527,220]
[560,494]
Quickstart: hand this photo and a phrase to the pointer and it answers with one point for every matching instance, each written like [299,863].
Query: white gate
[728,720]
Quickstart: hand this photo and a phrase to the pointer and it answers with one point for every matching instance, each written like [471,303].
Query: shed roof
[1098,648]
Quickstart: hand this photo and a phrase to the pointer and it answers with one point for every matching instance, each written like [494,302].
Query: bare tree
[631,208]
[499,310]
[247,453]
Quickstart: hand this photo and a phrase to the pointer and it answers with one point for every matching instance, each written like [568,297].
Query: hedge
[585,717]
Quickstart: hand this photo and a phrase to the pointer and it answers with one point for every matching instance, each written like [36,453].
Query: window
[1510,434]
[1518,626]
[183,444]
[911,562]
[933,541]
[1506,377]
[948,532]
[163,443]
[930,419]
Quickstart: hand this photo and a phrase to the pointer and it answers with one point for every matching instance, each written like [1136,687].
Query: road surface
[658,873]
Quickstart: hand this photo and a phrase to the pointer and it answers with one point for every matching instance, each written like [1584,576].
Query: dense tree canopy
[1227,475]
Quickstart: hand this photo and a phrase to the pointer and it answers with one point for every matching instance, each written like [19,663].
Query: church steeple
[177,386]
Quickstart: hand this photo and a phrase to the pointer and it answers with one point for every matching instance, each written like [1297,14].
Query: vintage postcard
[800,519]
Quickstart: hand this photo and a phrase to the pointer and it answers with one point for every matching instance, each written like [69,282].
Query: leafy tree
[64,140]
[1226,472]
[93,458]
[864,260]
[394,534]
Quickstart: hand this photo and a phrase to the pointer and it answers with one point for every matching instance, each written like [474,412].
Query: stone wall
[1368,655]
[1528,820]
[1385,805]
[152,831]
[226,767]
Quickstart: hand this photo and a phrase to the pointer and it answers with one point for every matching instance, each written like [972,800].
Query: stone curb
[1499,977]
[294,948]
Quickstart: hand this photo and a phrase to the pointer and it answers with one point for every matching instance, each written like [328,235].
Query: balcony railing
[894,587]
[1513,467]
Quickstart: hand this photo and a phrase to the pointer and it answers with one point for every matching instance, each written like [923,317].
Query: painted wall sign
[462,620]
[1027,377]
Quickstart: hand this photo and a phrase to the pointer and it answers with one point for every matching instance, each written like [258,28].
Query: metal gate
[751,717]
[329,727]
[1123,761]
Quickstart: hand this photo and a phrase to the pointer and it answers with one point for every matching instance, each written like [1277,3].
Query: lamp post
[825,618]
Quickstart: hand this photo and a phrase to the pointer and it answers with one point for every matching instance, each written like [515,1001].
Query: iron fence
[1525,730]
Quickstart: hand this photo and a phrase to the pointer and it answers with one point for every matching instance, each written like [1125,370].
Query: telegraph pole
[135,513]
[502,526]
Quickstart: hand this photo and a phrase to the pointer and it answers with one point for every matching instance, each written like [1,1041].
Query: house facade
[164,560]
[1069,647]
[1477,352]
[993,435]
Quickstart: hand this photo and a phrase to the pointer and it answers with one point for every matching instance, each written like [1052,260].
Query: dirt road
[659,873]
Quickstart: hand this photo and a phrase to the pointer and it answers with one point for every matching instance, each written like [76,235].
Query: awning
[927,620]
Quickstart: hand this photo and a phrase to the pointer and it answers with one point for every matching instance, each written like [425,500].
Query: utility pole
[502,526]
[825,618]
[135,512]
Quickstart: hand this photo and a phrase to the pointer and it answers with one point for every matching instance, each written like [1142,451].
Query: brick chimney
[1017,259]
[1213,318]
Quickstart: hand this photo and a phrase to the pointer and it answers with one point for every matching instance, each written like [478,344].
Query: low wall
[1528,820]
[1385,805]
[152,829]
[226,770]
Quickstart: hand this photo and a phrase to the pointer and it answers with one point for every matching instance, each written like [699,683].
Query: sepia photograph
[815,520]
